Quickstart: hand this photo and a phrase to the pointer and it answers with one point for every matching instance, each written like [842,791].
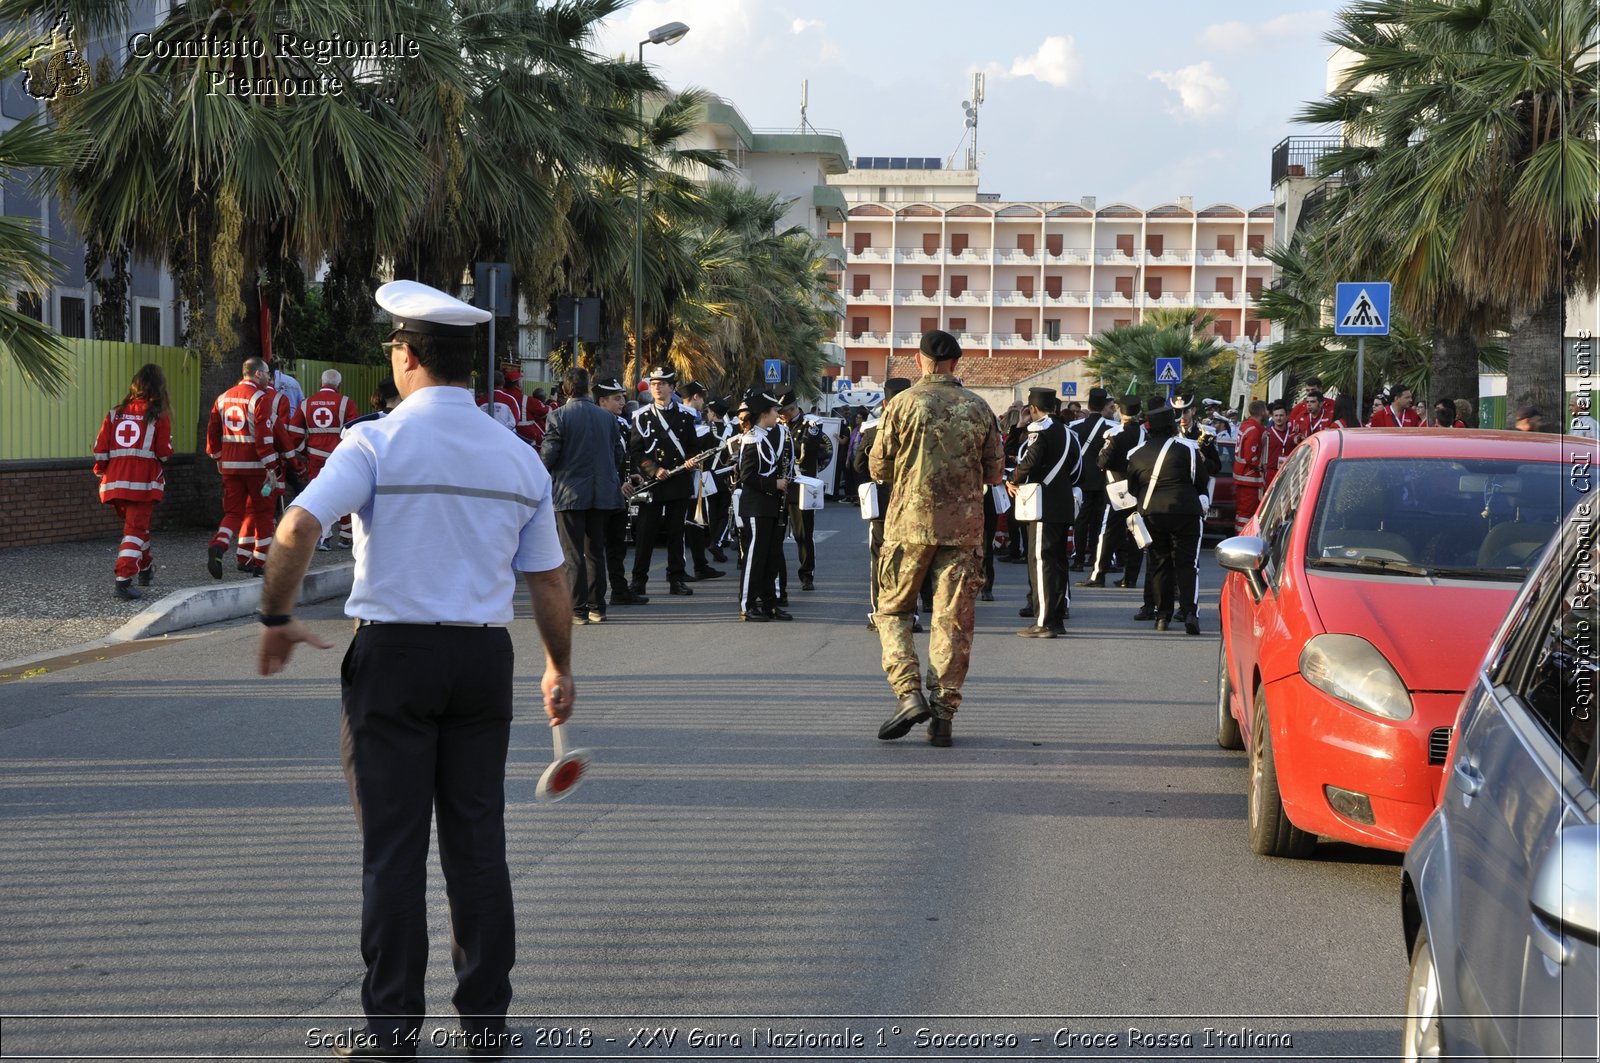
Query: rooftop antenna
[970,109]
[805,92]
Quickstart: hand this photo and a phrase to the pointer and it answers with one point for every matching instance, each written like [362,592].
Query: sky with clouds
[1140,102]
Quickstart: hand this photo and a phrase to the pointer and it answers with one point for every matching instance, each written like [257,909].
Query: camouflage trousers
[957,574]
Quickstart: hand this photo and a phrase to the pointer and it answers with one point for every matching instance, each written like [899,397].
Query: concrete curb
[199,606]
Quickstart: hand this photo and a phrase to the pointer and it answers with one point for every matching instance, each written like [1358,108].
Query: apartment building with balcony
[1036,279]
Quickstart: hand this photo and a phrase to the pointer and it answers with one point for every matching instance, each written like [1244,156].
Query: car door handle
[1468,777]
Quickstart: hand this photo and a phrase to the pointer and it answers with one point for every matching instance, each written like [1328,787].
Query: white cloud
[717,29]
[1202,92]
[1242,36]
[800,25]
[1055,63]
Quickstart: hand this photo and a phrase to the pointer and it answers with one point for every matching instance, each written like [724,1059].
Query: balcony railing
[1301,157]
[870,295]
[1067,298]
[1014,342]
[970,297]
[1219,258]
[866,339]
[1219,299]
[1167,299]
[1066,339]
[1113,257]
[971,254]
[1083,255]
[1112,299]
[917,297]
[909,339]
[1168,257]
[871,254]
[917,256]
[1016,256]
[1015,298]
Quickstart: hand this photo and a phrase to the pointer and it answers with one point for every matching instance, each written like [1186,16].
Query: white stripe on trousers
[1199,544]
[749,563]
[1038,569]
[1099,570]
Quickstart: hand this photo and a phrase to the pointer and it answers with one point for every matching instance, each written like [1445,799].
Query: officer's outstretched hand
[559,693]
[277,643]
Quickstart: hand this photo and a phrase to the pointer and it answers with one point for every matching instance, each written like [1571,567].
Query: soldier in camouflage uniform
[937,448]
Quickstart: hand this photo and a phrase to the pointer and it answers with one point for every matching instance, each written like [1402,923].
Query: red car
[1359,603]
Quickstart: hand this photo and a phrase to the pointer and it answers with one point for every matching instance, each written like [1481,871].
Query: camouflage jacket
[937,447]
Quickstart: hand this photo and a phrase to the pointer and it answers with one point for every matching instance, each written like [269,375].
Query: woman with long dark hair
[130,458]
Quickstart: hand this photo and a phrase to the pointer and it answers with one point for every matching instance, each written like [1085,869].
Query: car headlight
[1352,670]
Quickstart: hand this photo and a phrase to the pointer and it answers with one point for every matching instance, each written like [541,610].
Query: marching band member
[763,484]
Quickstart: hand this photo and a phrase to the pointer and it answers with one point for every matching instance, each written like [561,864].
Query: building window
[1224,331]
[958,324]
[150,324]
[29,305]
[858,370]
[1052,328]
[1121,322]
[73,313]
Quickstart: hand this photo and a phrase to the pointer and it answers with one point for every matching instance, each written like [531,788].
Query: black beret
[940,346]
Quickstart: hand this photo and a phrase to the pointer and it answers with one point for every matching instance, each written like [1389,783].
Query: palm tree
[1476,179]
[1125,358]
[25,264]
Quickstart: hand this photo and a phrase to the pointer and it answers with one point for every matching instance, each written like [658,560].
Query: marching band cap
[1161,419]
[718,407]
[1098,397]
[662,372]
[940,346]
[693,387]
[1042,398]
[788,399]
[759,402]
[609,386]
[416,307]
[894,386]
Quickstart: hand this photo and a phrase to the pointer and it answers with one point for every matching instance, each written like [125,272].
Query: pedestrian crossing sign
[1361,308]
[1169,370]
[773,369]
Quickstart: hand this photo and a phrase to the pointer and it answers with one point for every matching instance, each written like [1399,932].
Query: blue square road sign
[1169,370]
[1361,308]
[773,369]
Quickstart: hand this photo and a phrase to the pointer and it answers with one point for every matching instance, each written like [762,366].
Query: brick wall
[59,501]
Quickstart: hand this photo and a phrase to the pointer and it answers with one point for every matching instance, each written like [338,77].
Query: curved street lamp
[670,33]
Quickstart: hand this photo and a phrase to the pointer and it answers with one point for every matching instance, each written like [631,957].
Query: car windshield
[1445,518]
[1225,452]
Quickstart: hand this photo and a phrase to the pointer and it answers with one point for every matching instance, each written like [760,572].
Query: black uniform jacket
[763,461]
[1091,433]
[1182,481]
[664,439]
[1045,446]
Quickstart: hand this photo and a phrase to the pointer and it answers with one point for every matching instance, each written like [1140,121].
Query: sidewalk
[59,596]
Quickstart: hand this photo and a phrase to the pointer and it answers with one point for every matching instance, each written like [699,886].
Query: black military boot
[939,732]
[913,710]
[124,588]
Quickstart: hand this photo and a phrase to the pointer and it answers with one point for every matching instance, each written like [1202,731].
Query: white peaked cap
[419,308]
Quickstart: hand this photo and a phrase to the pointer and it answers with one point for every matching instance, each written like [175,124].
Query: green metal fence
[34,426]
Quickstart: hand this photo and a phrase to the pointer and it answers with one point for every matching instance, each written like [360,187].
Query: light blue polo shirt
[448,507]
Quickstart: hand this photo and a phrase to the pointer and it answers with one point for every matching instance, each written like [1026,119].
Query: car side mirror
[1246,555]
[1565,888]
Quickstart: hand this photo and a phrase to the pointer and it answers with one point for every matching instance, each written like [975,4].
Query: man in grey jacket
[583,450]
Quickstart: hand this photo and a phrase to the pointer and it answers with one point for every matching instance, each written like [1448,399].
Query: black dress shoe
[1037,631]
[1079,566]
[679,587]
[754,616]
[1191,625]
[636,586]
[913,710]
[1025,611]
[1125,584]
[1060,630]
[708,572]
[871,626]
[779,614]
[986,596]
[807,585]
[917,628]
[939,732]
[1090,583]
[623,596]
[214,554]
[783,599]
[1144,616]
[1162,623]
[147,577]
[717,555]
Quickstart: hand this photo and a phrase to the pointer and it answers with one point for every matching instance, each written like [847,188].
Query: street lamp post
[670,33]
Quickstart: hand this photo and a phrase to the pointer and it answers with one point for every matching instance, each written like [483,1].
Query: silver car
[1499,891]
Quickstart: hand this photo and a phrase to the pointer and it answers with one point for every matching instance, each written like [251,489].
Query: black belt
[425,623]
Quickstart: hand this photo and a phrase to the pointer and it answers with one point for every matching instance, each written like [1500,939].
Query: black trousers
[1175,561]
[1114,541]
[653,518]
[583,537]
[617,547]
[804,523]
[1086,527]
[757,588]
[424,734]
[1047,572]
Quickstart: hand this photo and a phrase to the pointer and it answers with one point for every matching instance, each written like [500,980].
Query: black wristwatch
[273,619]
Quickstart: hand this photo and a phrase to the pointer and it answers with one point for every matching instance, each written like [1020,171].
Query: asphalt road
[179,870]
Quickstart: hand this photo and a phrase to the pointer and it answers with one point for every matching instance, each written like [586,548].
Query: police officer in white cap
[448,508]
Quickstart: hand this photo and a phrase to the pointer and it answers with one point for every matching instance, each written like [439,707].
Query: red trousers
[247,518]
[133,556]
[1246,500]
